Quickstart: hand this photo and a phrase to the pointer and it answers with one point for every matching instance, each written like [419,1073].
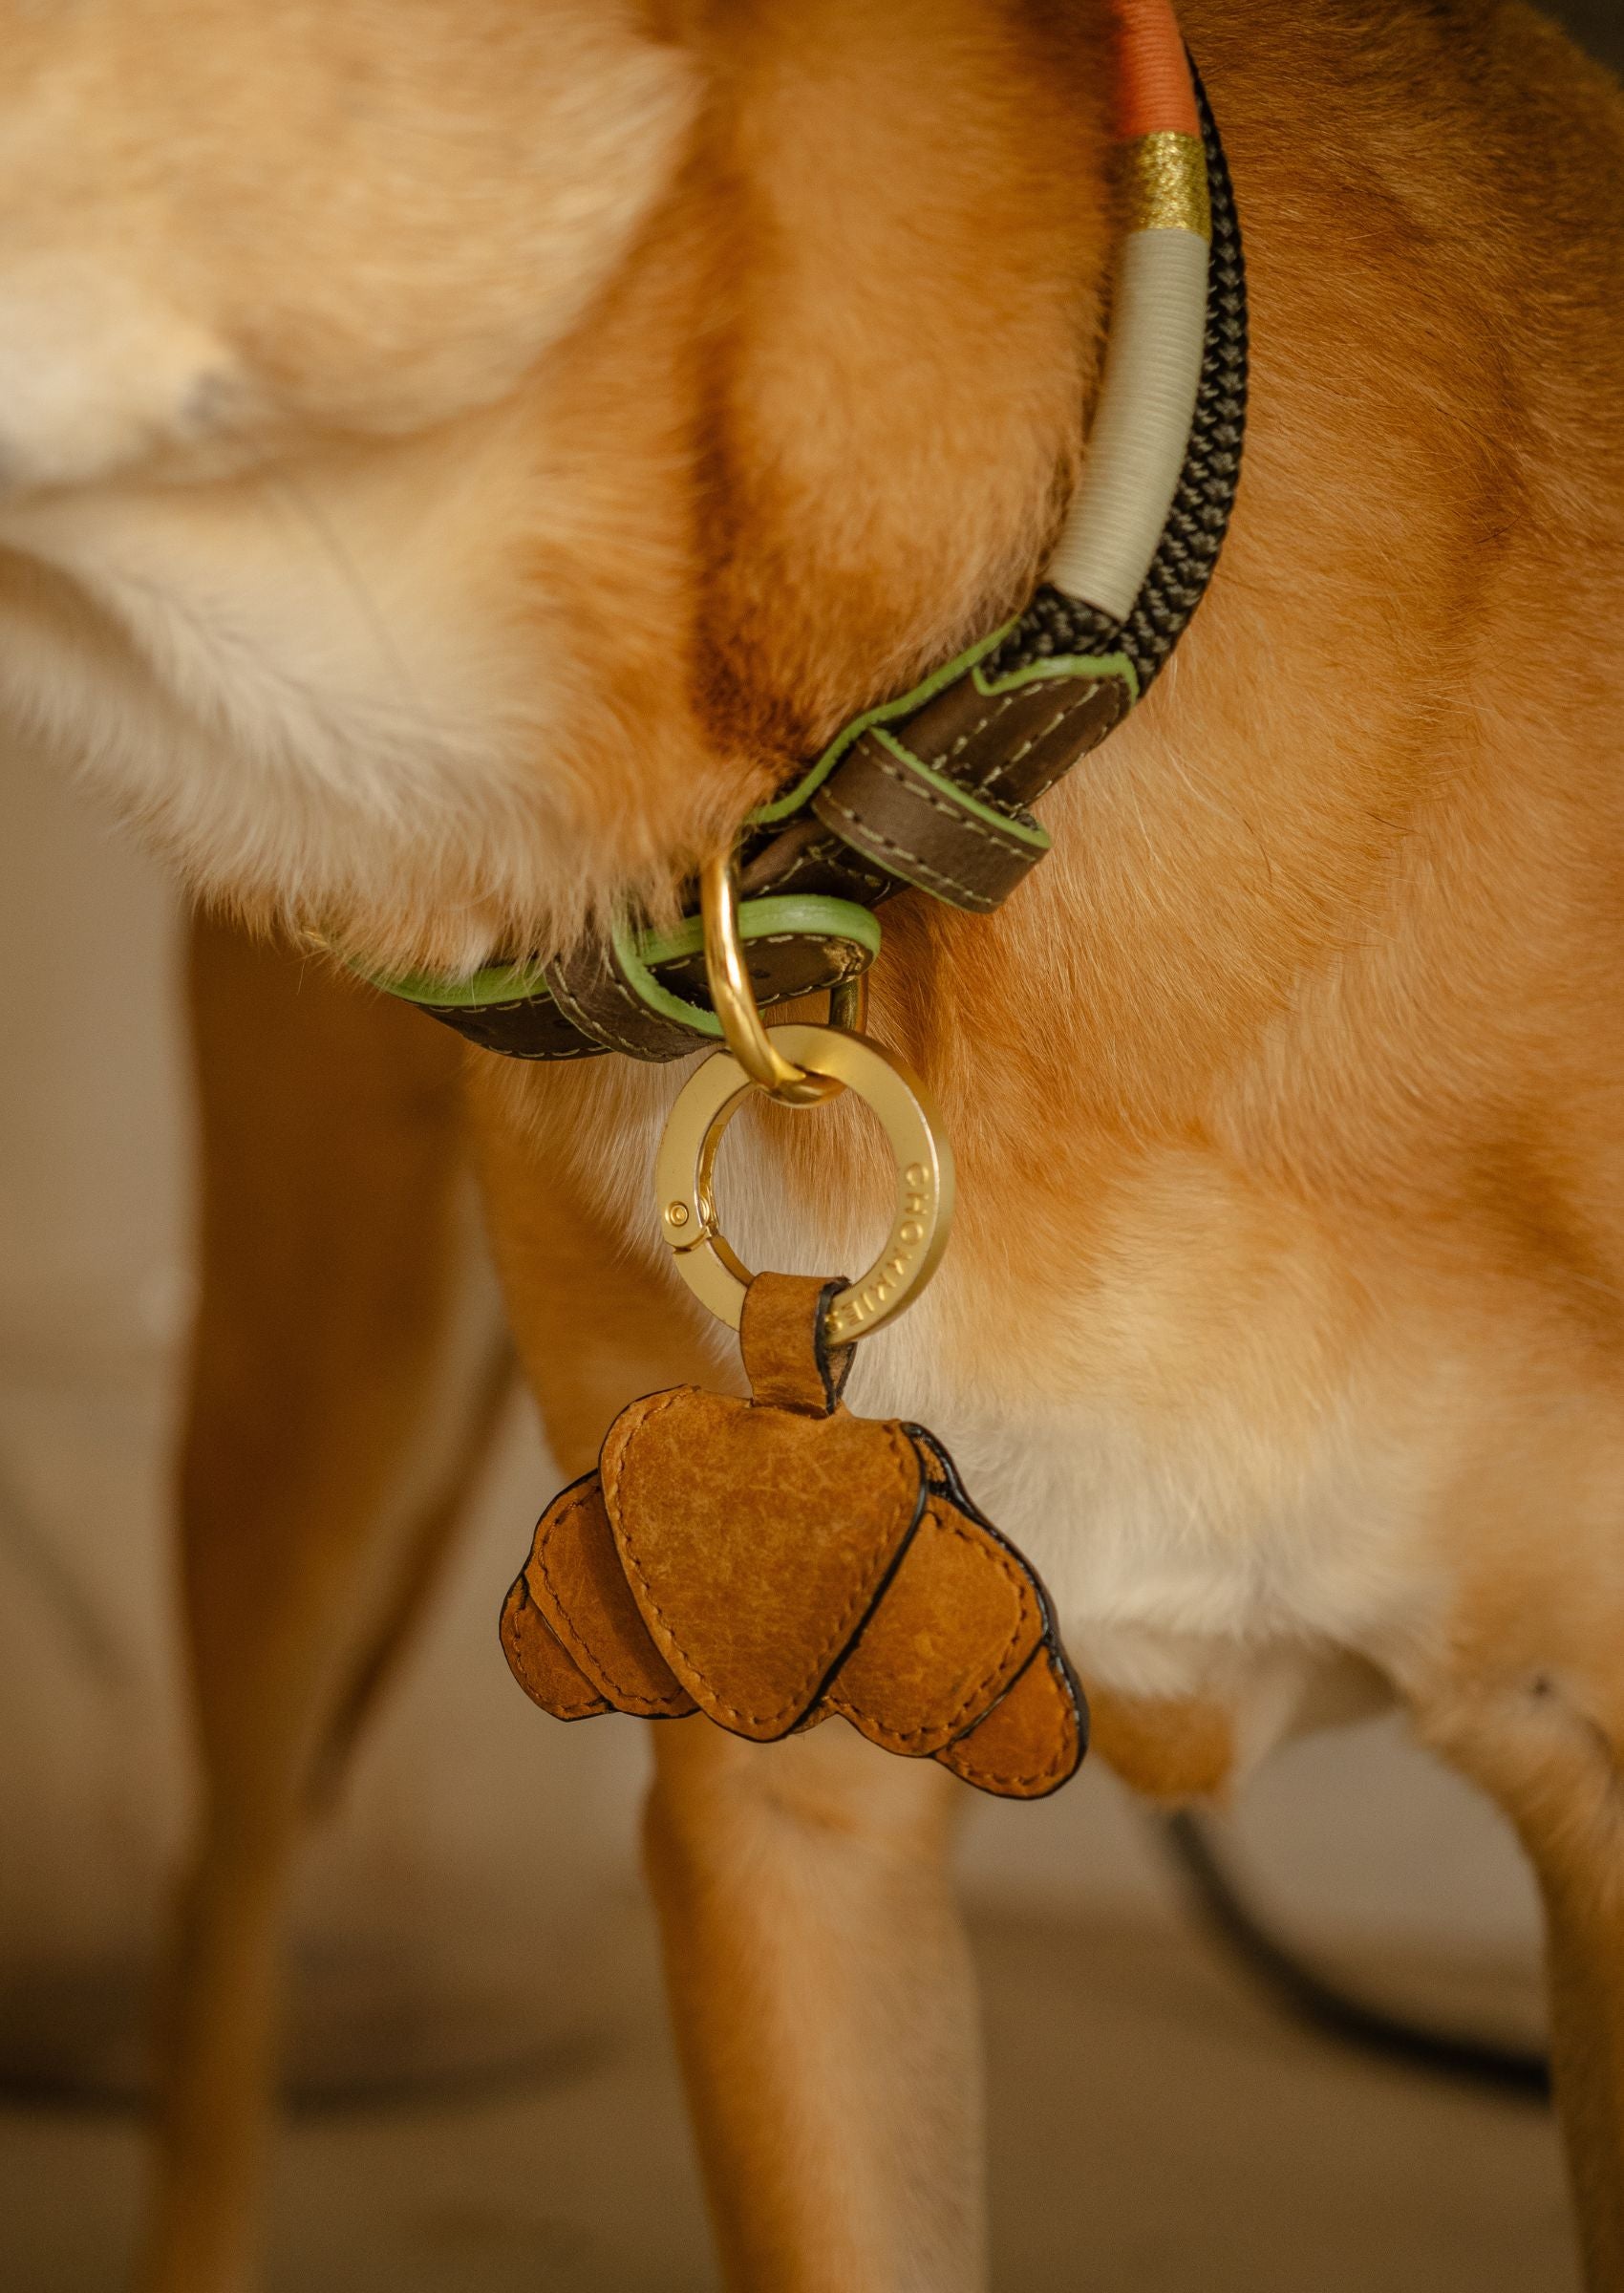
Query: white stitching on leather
[1073,706]
[968,898]
[1005,701]
[576,1010]
[923,794]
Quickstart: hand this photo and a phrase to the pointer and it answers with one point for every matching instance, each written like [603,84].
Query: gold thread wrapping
[1164,185]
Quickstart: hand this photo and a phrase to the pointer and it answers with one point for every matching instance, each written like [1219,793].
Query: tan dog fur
[1283,1322]
[348,1365]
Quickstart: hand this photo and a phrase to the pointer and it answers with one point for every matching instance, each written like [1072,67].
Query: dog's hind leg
[1546,1741]
[347,1364]
[1583,1886]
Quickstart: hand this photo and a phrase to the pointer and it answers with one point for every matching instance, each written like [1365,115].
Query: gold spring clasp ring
[799,1066]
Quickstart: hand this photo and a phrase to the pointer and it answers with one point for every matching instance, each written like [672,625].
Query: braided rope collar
[933,790]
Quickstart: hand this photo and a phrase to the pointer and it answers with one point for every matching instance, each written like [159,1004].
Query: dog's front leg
[820,1975]
[825,2005]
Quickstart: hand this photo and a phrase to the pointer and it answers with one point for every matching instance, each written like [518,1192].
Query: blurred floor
[1153,2129]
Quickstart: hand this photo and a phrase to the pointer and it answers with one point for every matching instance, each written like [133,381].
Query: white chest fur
[305,686]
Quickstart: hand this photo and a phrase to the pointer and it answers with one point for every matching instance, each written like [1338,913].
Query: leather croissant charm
[770,1561]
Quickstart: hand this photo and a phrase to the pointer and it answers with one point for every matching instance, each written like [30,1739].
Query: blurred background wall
[474,1877]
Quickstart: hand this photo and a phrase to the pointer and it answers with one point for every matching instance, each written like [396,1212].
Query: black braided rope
[1199,518]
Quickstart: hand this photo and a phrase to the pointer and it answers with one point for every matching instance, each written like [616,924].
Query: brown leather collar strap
[937,800]
[943,803]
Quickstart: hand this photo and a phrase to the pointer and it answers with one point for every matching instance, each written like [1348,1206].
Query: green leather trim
[498,983]
[524,981]
[649,991]
[807,915]
[784,807]
[1067,664]
[1024,831]
[1063,664]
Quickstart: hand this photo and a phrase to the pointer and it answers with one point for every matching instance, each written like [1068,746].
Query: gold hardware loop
[733,999]
[848,1004]
[685,1175]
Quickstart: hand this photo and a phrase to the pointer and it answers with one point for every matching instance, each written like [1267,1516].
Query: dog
[454,462]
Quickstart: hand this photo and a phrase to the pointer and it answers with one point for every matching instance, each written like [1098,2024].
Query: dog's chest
[1190,1449]
[1204,1556]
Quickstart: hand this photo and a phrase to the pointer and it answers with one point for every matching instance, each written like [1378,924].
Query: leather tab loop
[1010,739]
[591,989]
[782,1336]
[915,822]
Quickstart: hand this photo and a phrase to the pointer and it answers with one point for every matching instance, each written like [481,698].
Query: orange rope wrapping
[1154,94]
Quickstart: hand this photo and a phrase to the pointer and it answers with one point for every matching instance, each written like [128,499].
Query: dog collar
[933,790]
